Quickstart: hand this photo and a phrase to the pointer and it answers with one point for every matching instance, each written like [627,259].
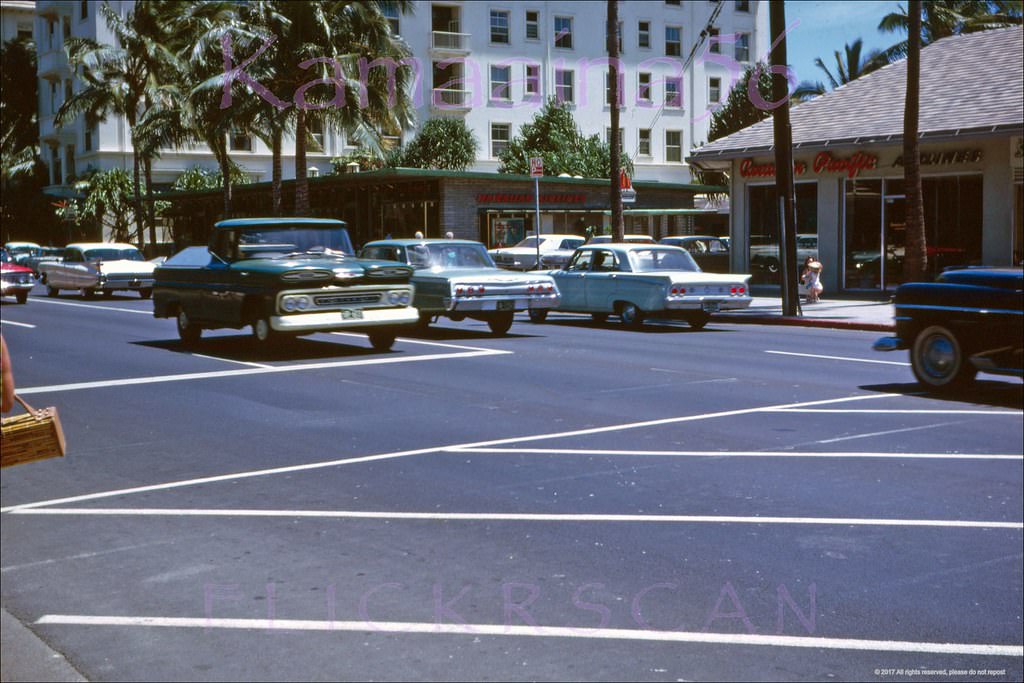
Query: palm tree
[346,33]
[944,18]
[850,66]
[120,80]
[915,260]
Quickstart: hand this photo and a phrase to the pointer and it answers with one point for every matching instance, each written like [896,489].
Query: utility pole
[784,190]
[614,196]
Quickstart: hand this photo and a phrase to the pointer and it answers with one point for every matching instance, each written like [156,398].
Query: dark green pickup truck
[284,277]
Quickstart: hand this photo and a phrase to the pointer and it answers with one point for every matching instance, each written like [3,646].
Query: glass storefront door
[863,243]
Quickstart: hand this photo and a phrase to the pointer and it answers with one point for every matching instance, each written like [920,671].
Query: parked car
[93,267]
[15,280]
[968,320]
[711,253]
[523,256]
[19,251]
[639,281]
[559,257]
[457,279]
[285,277]
[45,255]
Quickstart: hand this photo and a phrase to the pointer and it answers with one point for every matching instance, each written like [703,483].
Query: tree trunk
[224,161]
[147,166]
[615,193]
[140,232]
[915,259]
[301,181]
[275,183]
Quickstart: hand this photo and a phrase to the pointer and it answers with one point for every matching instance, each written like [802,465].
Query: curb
[794,321]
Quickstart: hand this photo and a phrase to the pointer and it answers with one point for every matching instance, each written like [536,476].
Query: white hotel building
[490,63]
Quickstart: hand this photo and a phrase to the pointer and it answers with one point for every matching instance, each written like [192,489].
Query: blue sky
[826,26]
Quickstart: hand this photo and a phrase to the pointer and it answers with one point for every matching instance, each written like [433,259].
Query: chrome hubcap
[939,356]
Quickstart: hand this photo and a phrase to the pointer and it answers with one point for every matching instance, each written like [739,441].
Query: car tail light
[733,291]
[743,290]
[480,289]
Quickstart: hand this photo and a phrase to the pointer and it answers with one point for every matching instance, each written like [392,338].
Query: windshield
[647,260]
[449,256]
[284,240]
[4,257]
[109,254]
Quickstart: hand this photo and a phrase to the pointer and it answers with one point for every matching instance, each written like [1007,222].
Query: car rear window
[647,260]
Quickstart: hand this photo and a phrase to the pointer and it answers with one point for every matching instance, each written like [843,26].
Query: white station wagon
[92,267]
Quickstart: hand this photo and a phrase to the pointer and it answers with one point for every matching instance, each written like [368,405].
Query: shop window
[765,235]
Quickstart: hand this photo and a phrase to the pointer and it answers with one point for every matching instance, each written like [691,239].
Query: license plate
[351,314]
[506,305]
[710,306]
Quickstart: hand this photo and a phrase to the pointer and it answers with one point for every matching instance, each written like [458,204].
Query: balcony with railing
[449,42]
[451,99]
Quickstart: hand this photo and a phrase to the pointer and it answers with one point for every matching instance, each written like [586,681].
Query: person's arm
[8,378]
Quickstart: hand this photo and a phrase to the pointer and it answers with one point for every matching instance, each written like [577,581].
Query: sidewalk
[844,313]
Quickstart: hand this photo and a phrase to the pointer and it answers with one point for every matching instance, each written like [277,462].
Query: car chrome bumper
[519,303]
[132,284]
[332,320]
[7,287]
[699,303]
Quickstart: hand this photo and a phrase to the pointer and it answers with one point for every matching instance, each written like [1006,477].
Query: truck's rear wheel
[188,331]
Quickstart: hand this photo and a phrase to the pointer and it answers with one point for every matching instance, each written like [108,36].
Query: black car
[710,253]
[968,320]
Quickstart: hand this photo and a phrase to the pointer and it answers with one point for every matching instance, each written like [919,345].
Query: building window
[714,90]
[673,41]
[24,31]
[673,145]
[714,47]
[87,142]
[58,173]
[390,12]
[68,91]
[499,26]
[563,32]
[644,144]
[674,92]
[672,2]
[532,24]
[315,128]
[743,47]
[608,136]
[742,5]
[53,97]
[532,84]
[83,11]
[500,134]
[643,87]
[500,77]
[239,142]
[643,36]
[563,85]
[608,88]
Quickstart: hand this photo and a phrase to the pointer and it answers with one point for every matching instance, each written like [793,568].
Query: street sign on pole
[536,171]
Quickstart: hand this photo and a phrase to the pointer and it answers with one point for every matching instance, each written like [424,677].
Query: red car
[15,280]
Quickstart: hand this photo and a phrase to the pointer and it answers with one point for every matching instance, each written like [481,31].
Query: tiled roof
[971,83]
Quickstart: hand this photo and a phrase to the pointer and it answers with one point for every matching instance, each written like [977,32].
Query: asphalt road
[572,501]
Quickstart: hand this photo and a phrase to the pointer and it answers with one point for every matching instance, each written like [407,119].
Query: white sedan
[92,267]
[523,256]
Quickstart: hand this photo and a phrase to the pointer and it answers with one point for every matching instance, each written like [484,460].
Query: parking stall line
[102,308]
[518,517]
[941,411]
[268,369]
[516,631]
[11,322]
[422,451]
[739,454]
[231,360]
[845,358]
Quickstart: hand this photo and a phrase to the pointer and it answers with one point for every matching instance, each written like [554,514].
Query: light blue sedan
[638,281]
[457,279]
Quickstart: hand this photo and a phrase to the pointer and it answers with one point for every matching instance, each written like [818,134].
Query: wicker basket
[34,436]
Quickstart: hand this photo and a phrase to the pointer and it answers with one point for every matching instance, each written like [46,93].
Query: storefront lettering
[528,198]
[960,156]
[861,161]
[748,169]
